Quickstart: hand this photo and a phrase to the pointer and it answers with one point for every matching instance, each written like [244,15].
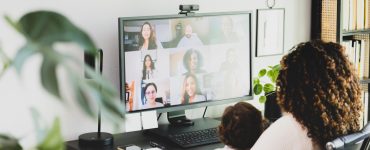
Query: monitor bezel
[184,106]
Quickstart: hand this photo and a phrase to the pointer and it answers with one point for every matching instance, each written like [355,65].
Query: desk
[140,139]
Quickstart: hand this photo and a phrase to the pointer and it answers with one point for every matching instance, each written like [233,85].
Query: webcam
[187,9]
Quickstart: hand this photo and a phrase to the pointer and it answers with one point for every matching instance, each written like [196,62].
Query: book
[360,15]
[345,14]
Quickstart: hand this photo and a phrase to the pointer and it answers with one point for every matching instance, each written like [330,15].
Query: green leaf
[102,82]
[49,77]
[270,74]
[274,76]
[40,129]
[257,89]
[113,106]
[9,143]
[22,55]
[13,24]
[276,67]
[256,81]
[97,90]
[4,61]
[84,102]
[42,29]
[262,99]
[53,140]
[268,87]
[262,73]
[47,27]
[107,99]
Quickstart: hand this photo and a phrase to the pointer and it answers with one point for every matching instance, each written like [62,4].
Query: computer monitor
[178,62]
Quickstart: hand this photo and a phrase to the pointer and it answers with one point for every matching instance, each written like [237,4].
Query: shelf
[356,32]
[364,80]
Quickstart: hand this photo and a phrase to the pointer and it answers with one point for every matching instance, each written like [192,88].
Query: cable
[205,110]
[159,116]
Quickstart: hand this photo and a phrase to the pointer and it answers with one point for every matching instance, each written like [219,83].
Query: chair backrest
[159,100]
[355,141]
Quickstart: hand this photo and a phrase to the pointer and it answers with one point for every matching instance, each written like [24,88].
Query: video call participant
[232,85]
[240,127]
[225,33]
[147,39]
[191,91]
[193,62]
[150,92]
[229,35]
[148,68]
[230,63]
[319,91]
[190,39]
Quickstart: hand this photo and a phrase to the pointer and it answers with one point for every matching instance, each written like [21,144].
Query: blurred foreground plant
[42,30]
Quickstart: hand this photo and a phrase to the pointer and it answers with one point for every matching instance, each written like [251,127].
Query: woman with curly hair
[319,92]
[193,62]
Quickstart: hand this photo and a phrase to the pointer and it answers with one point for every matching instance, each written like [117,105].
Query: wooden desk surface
[141,140]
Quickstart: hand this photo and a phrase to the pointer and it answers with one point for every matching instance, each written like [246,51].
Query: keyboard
[195,138]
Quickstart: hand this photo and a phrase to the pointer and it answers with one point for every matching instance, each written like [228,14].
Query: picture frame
[270,32]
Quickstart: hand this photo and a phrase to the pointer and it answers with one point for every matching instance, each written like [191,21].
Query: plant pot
[272,109]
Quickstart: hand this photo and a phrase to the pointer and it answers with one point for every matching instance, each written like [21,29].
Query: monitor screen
[179,62]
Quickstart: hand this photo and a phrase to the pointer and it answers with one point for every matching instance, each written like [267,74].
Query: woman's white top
[150,74]
[285,133]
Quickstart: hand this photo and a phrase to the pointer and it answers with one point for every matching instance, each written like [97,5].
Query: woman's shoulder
[284,133]
[285,124]
[286,119]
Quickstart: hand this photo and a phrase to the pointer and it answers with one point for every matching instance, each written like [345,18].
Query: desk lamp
[95,139]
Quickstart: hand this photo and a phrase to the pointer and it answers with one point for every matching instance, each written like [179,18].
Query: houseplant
[42,30]
[264,85]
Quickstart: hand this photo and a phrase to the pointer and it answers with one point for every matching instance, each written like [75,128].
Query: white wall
[99,19]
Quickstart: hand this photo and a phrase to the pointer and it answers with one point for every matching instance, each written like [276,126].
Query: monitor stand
[178,118]
[179,123]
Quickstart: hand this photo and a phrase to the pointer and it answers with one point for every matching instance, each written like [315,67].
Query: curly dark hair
[187,59]
[241,126]
[318,85]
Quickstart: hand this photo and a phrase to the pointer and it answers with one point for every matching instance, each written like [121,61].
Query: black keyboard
[195,138]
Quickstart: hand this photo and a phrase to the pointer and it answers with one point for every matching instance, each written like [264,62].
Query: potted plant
[42,30]
[264,85]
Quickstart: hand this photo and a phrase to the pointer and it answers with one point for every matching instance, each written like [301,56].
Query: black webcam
[187,9]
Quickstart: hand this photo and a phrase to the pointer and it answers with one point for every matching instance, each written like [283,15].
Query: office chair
[355,141]
[159,100]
